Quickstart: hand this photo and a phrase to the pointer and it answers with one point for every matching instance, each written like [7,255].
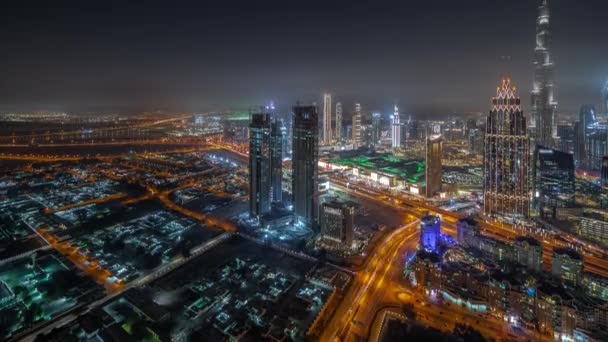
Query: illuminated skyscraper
[376,128]
[327,119]
[605,99]
[305,159]
[396,129]
[584,126]
[339,122]
[276,160]
[356,138]
[506,156]
[544,105]
[430,232]
[259,164]
[432,169]
[553,178]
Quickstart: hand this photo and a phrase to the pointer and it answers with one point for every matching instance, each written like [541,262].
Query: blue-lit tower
[430,233]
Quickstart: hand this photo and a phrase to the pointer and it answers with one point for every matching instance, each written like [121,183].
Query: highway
[369,282]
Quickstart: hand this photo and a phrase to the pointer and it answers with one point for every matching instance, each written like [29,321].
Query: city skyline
[267,171]
[205,66]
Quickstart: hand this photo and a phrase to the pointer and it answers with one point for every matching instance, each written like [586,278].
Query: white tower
[396,126]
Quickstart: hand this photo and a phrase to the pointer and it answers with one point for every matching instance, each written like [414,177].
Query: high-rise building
[376,128]
[430,233]
[528,252]
[566,136]
[357,117]
[596,146]
[259,164]
[475,140]
[339,122]
[432,169]
[605,99]
[336,220]
[327,138]
[305,159]
[553,180]
[396,129]
[506,156]
[276,160]
[584,127]
[544,105]
[567,265]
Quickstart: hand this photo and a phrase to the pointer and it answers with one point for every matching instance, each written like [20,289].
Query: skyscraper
[327,119]
[605,99]
[305,164]
[376,128]
[276,160]
[339,122]
[553,180]
[506,156]
[430,232]
[584,127]
[336,220]
[259,164]
[357,126]
[396,129]
[544,105]
[432,169]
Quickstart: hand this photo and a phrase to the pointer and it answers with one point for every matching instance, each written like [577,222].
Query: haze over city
[433,57]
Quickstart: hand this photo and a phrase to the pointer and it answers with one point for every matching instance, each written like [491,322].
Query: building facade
[553,181]
[376,128]
[567,265]
[259,164]
[339,122]
[432,171]
[276,160]
[305,157]
[544,105]
[356,126]
[528,252]
[506,156]
[326,127]
[395,129]
[430,233]
[336,220]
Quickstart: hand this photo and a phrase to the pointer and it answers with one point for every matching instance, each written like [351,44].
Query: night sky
[433,57]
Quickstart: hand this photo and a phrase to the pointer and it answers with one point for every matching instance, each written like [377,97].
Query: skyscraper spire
[544,105]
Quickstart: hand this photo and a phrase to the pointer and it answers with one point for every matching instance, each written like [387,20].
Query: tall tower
[339,121]
[326,119]
[376,128]
[544,105]
[276,160]
[259,164]
[605,100]
[432,169]
[305,164]
[506,156]
[396,129]
[357,126]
